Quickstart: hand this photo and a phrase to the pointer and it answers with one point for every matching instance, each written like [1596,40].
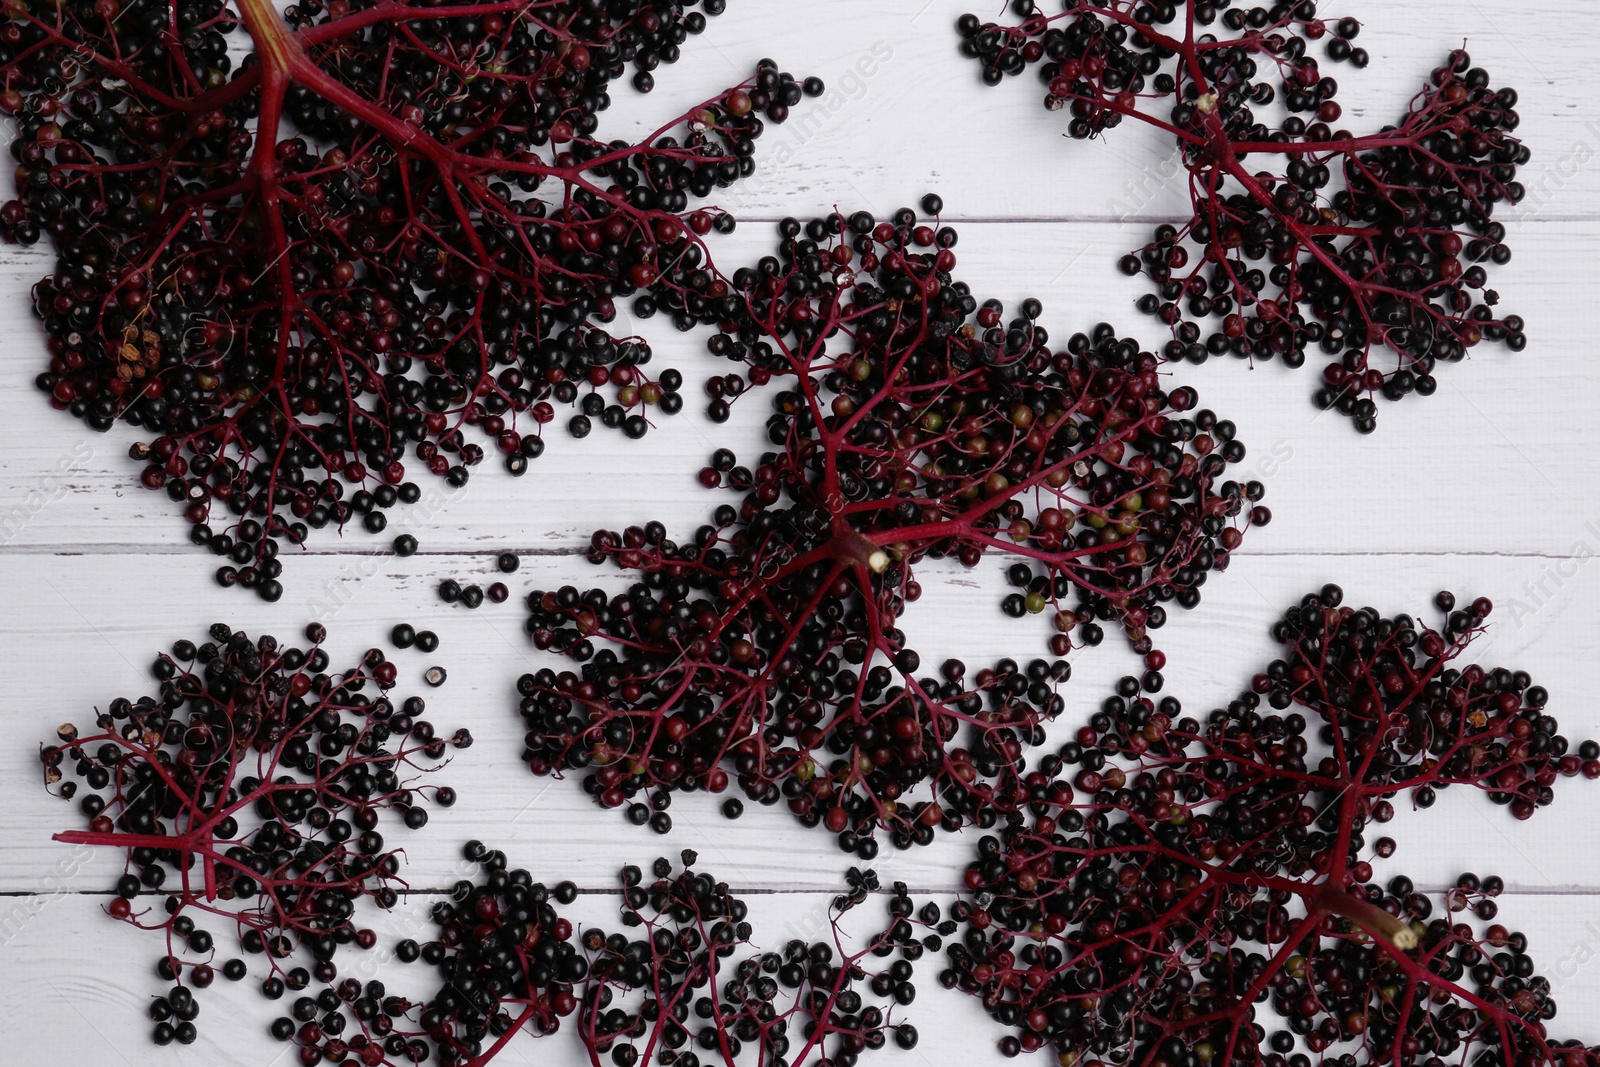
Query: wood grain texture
[91,993]
[1514,422]
[1213,651]
[1487,488]
[919,117]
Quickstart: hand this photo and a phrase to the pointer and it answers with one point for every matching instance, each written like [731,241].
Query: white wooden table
[1488,488]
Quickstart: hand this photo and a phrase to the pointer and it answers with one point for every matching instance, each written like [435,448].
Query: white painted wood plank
[905,110]
[920,116]
[91,988]
[1521,420]
[80,644]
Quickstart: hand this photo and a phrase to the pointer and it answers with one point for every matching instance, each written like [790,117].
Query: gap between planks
[111,549]
[1438,889]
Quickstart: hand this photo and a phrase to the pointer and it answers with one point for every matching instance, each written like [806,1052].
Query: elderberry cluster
[1173,872]
[769,644]
[1351,245]
[251,789]
[506,961]
[798,1006]
[676,991]
[941,428]
[299,318]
